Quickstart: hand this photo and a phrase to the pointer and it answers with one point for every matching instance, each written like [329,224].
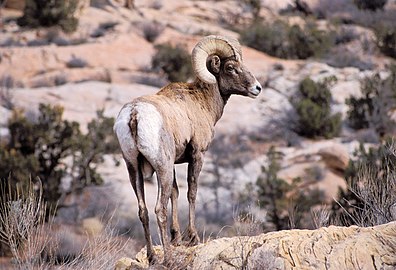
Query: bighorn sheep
[176,125]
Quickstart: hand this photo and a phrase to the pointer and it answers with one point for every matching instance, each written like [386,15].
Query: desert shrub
[26,232]
[288,205]
[101,251]
[347,12]
[345,35]
[373,108]
[37,150]
[327,9]
[76,62]
[270,39]
[371,195]
[6,96]
[98,141]
[254,6]
[174,61]
[314,118]
[104,28]
[22,224]
[386,39]
[151,30]
[341,56]
[50,13]
[284,41]
[370,4]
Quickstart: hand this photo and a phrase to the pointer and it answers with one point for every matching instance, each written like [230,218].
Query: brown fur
[189,112]
[188,122]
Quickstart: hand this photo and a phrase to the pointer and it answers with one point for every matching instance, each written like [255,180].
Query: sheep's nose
[255,90]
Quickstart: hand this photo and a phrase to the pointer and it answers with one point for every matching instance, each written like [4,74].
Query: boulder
[325,248]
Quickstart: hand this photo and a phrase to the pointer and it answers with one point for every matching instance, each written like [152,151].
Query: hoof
[192,239]
[153,259]
[176,239]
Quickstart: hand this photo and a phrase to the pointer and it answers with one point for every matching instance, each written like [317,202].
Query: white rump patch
[123,132]
[148,130]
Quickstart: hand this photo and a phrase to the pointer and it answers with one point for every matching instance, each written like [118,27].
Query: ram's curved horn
[221,46]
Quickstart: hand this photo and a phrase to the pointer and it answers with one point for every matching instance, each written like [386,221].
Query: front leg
[194,168]
[175,228]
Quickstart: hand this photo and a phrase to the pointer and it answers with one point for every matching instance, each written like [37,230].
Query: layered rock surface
[325,248]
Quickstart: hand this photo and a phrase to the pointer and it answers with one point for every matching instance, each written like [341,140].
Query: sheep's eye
[230,68]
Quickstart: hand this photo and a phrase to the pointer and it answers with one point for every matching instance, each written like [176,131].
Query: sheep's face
[234,78]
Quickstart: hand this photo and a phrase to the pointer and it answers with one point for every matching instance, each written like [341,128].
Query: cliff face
[325,248]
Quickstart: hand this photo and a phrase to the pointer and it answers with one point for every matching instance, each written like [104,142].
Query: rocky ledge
[325,248]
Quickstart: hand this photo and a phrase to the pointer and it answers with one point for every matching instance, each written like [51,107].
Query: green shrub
[341,57]
[37,150]
[271,39]
[151,30]
[313,110]
[371,192]
[281,40]
[174,61]
[254,6]
[386,39]
[370,4]
[98,141]
[50,13]
[373,108]
[287,204]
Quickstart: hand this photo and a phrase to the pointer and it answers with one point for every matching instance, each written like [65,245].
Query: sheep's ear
[214,63]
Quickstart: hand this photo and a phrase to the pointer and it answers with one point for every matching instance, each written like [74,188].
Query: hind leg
[136,178]
[175,227]
[164,176]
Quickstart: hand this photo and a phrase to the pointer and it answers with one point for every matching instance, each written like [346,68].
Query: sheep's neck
[215,102]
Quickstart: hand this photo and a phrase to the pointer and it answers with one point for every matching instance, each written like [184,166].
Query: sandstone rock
[335,156]
[82,100]
[344,90]
[333,248]
[47,64]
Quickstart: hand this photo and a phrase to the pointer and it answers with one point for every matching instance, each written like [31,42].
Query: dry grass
[378,197]
[33,245]
[371,199]
[22,225]
[320,216]
[101,251]
[246,224]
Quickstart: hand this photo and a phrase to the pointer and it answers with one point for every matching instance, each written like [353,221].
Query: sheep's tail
[124,135]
